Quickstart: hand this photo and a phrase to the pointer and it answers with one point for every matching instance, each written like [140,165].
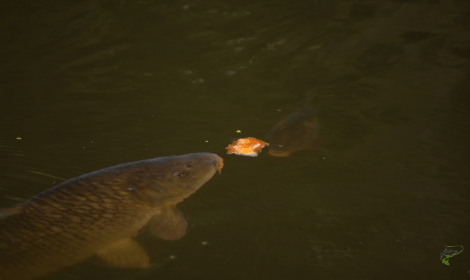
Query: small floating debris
[250,147]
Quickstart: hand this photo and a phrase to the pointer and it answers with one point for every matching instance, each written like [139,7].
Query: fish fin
[125,253]
[169,224]
[9,211]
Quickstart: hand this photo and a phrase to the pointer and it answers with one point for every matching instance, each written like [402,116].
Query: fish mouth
[278,153]
[219,165]
[218,162]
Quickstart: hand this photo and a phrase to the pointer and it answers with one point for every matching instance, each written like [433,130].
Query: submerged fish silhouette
[294,132]
[98,213]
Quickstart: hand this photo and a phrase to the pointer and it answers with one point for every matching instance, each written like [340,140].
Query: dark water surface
[91,84]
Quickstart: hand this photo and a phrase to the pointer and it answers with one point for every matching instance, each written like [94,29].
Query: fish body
[294,132]
[98,213]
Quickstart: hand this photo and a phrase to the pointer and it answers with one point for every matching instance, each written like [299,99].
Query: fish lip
[217,161]
[278,153]
[219,164]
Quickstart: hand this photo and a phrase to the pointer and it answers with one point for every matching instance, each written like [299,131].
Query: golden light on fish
[250,147]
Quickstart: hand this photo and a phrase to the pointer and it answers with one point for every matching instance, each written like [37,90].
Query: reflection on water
[89,84]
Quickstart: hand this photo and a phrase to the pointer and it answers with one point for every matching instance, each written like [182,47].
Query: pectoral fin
[126,253]
[168,225]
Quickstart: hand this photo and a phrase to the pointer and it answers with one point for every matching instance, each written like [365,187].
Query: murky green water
[91,84]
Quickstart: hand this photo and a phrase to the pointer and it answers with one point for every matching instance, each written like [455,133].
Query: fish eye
[181,174]
[189,165]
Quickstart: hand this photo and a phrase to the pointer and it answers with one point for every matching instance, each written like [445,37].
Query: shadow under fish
[97,214]
[294,132]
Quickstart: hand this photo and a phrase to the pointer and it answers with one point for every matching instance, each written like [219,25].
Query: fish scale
[89,234]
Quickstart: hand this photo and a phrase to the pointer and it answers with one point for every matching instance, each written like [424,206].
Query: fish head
[279,143]
[283,142]
[172,179]
[292,134]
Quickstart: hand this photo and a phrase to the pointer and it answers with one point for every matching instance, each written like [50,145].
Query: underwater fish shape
[294,132]
[97,214]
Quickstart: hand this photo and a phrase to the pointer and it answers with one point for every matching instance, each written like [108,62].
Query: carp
[98,213]
[294,132]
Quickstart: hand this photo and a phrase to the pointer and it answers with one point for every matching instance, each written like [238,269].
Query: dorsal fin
[9,211]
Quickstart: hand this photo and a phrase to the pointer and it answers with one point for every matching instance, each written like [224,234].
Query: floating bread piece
[250,147]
